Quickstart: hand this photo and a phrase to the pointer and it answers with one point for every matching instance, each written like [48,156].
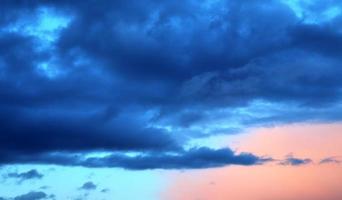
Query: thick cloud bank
[149,76]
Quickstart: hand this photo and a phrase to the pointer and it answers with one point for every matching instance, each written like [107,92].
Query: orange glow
[271,181]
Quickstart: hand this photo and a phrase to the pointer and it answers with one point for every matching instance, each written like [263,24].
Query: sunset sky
[171,100]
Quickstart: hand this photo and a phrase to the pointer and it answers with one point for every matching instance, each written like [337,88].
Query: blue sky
[66,182]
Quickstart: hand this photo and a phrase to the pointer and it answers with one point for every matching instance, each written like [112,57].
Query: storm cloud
[149,76]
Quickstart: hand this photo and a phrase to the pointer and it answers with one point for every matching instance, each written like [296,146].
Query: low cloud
[293,161]
[195,158]
[88,186]
[331,160]
[23,176]
[34,195]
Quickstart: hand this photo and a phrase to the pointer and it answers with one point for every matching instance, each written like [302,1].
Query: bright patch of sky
[46,69]
[331,13]
[296,6]
[44,24]
[302,10]
[65,183]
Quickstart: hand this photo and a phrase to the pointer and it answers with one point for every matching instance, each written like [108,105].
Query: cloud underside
[150,76]
[196,158]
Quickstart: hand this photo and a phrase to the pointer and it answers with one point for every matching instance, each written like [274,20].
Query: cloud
[23,176]
[293,161]
[77,135]
[105,190]
[44,187]
[33,195]
[128,76]
[330,160]
[88,186]
[318,38]
[195,158]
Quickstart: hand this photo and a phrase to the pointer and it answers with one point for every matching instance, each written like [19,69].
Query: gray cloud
[331,160]
[293,161]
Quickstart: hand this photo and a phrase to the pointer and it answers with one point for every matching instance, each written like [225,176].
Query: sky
[171,100]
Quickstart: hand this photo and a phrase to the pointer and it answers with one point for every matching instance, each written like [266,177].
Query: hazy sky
[171,100]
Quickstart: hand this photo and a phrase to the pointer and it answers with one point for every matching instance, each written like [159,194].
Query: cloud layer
[195,158]
[148,77]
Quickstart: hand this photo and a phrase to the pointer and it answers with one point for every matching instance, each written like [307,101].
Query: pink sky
[271,181]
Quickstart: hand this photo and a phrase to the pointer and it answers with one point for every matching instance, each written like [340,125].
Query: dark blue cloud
[149,76]
[31,133]
[195,158]
[191,159]
[322,39]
